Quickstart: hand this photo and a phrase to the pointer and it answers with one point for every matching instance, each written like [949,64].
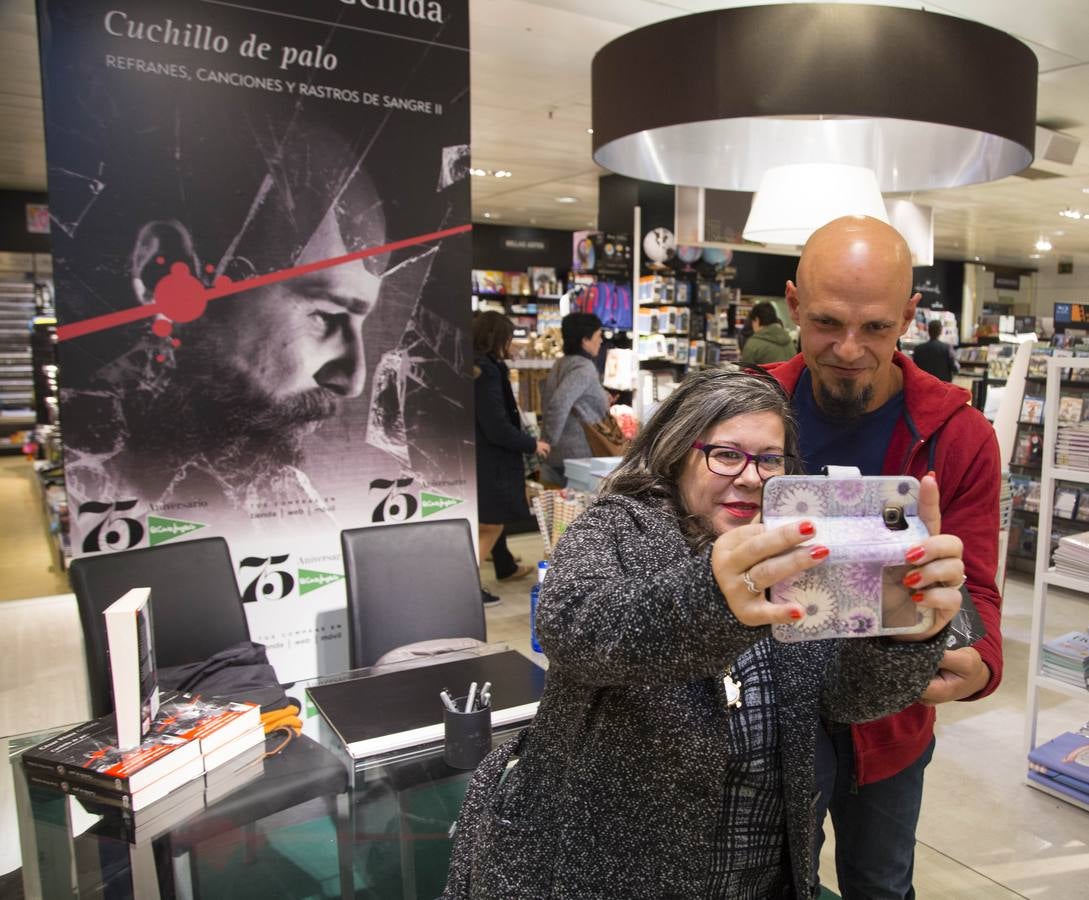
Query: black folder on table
[399,709]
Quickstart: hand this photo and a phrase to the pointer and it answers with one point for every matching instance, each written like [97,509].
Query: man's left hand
[961,673]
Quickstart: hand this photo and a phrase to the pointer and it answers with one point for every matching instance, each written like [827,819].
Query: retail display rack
[1069,508]
[17,309]
[1052,477]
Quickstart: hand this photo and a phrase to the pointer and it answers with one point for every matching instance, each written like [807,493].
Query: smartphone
[868,523]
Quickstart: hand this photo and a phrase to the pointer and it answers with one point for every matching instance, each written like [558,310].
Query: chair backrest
[410,582]
[196,609]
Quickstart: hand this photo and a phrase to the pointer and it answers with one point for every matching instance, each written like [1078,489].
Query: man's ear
[909,311]
[793,302]
[158,246]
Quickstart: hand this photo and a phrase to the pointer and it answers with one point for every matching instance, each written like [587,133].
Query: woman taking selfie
[642,775]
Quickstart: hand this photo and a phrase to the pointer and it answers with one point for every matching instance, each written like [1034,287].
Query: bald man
[859,402]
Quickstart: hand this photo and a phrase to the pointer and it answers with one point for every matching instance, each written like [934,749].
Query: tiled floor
[983,834]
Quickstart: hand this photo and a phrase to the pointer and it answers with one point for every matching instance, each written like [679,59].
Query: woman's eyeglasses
[723,459]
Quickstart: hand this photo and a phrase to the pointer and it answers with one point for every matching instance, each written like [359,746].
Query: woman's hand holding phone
[747,560]
[937,566]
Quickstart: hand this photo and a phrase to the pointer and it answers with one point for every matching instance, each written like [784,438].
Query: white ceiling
[531,110]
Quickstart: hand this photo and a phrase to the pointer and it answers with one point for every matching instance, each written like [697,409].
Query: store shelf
[1044,789]
[1061,687]
[1078,475]
[1054,579]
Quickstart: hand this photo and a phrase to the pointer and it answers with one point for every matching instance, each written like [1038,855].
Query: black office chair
[196,611]
[411,583]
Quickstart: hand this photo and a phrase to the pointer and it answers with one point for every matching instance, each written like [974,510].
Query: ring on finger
[746,577]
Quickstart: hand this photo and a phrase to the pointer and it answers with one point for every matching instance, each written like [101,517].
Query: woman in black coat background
[500,440]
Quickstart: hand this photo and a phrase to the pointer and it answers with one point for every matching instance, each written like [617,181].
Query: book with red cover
[89,753]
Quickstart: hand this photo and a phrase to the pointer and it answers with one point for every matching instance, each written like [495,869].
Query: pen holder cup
[468,736]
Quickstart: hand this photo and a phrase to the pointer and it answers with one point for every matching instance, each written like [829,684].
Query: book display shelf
[1070,500]
[1061,465]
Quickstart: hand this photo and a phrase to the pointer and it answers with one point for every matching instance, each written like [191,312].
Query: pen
[447,701]
[485,699]
[472,696]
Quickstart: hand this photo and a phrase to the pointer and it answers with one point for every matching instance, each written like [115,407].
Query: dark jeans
[502,558]
[874,824]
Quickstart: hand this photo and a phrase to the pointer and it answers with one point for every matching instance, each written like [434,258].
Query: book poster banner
[260,224]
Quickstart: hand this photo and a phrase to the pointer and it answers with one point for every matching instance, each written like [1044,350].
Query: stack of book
[1072,447]
[1066,658]
[1062,764]
[1072,556]
[197,750]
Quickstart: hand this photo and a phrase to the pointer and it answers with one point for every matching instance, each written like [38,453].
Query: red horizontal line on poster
[147,311]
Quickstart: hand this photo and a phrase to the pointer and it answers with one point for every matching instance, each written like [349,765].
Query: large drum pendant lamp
[715,99]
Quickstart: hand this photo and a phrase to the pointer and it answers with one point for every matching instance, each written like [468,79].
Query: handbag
[605,437]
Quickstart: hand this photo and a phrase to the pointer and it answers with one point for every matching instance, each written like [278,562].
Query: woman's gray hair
[653,464]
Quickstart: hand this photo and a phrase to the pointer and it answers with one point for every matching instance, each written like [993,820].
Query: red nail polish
[912,579]
[917,596]
[796,614]
[819,552]
[915,554]
[806,529]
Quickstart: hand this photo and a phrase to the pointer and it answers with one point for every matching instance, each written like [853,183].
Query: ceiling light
[1043,245]
[1069,213]
[1034,256]
[794,201]
[488,215]
[567,199]
[919,101]
[589,131]
[478,172]
[502,173]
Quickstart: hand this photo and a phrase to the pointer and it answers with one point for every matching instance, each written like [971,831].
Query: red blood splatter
[221,281]
[180,296]
[160,357]
[161,260]
[162,327]
[209,268]
[175,343]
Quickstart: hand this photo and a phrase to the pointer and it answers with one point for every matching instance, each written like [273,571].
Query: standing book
[132,665]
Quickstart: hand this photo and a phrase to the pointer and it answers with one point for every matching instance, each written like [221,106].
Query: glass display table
[319,825]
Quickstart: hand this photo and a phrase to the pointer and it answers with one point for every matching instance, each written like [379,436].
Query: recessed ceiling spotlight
[1034,256]
[487,215]
[567,199]
[1043,245]
[976,258]
[591,131]
[502,173]
[479,172]
[1085,190]
[1069,213]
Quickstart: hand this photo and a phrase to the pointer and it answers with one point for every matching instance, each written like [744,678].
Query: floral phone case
[868,524]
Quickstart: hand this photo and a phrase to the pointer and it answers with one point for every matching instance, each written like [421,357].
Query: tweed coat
[620,776]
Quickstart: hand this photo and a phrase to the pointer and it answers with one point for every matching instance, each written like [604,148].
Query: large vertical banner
[261,242]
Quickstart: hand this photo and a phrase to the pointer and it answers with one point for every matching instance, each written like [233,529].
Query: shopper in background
[572,395]
[641,776]
[500,443]
[859,402]
[770,342]
[936,356]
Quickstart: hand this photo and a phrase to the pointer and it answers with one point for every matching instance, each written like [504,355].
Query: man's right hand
[543,448]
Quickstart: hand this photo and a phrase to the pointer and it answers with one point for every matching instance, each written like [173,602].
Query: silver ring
[747,578]
[963,581]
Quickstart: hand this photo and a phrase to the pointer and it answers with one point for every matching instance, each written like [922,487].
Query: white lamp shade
[794,201]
